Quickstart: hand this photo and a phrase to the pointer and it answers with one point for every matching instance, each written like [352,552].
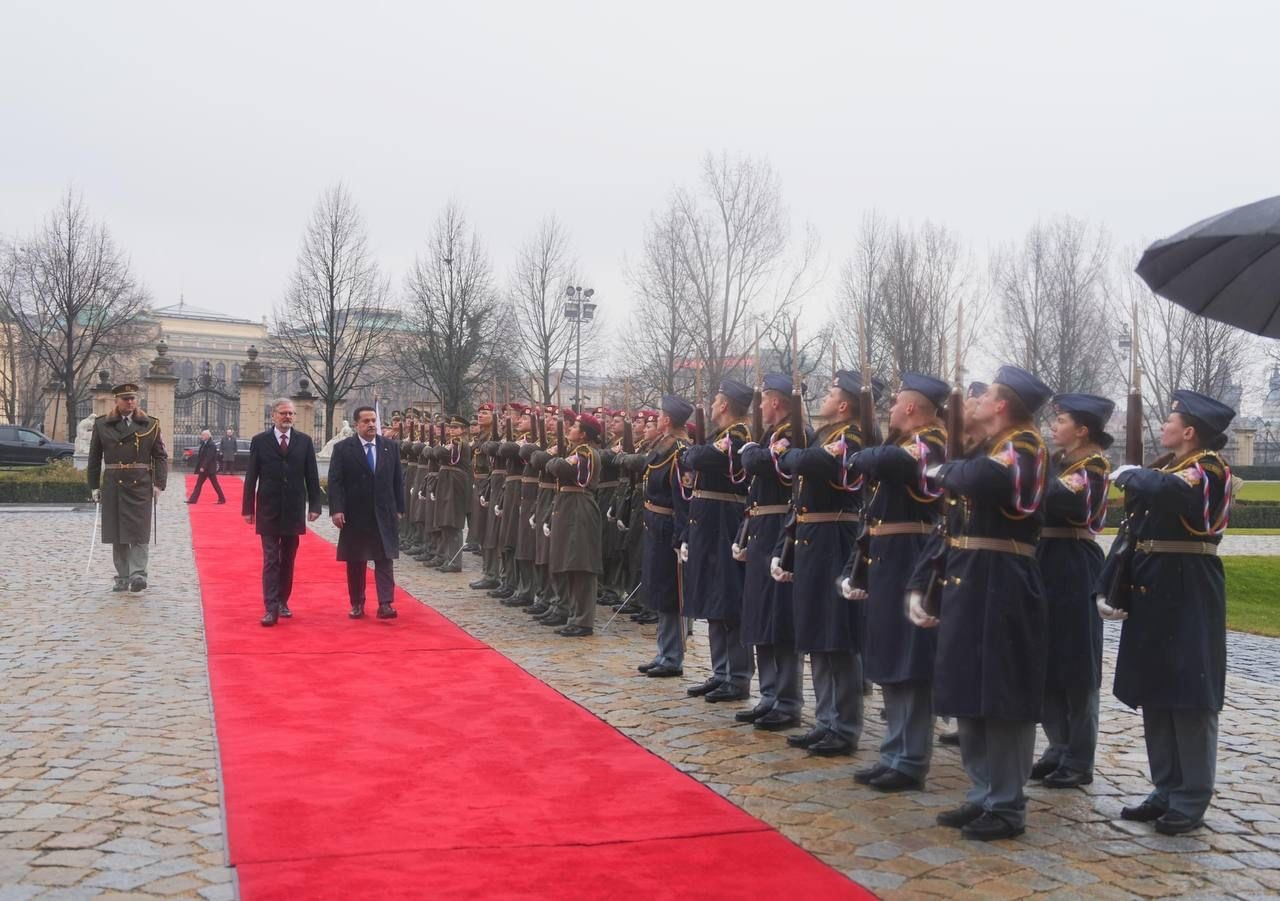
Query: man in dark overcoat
[206,468]
[128,468]
[281,495]
[366,501]
[227,452]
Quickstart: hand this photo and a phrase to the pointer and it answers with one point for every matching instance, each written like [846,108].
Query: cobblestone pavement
[1075,846]
[108,784]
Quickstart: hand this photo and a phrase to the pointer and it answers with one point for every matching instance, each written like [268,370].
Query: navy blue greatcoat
[658,570]
[713,579]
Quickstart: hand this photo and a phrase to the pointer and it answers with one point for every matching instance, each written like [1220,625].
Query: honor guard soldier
[453,493]
[1075,510]
[825,525]
[521,496]
[574,528]
[482,502]
[631,522]
[1172,660]
[767,620]
[128,468]
[665,513]
[611,589]
[713,579]
[992,642]
[900,516]
[546,607]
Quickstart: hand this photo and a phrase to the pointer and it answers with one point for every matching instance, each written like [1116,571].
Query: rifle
[561,451]
[799,440]
[937,561]
[1120,586]
[757,397]
[507,435]
[859,577]
[540,427]
[699,413]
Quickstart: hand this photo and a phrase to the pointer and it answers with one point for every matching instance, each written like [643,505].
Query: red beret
[486,407]
[590,424]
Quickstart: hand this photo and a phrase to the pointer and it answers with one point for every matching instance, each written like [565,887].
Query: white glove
[622,526]
[779,574]
[532,524]
[915,611]
[155,492]
[422,495]
[484,501]
[1106,611]
[497,511]
[933,471]
[96,494]
[546,529]
[850,593]
[738,553]
[608,515]
[1115,473]
[684,552]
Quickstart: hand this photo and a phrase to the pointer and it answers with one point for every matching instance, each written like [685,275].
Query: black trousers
[213,480]
[383,580]
[278,554]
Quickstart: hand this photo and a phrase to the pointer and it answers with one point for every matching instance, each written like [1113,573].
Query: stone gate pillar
[103,398]
[253,396]
[161,385]
[304,406]
[1244,447]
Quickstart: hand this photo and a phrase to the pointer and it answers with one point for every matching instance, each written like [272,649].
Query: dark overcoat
[718,502]
[512,491]
[546,495]
[279,489]
[480,512]
[126,493]
[492,535]
[453,485]
[993,639]
[207,457]
[665,512]
[1173,646]
[575,513]
[824,620]
[371,502]
[899,498]
[1075,498]
[526,535]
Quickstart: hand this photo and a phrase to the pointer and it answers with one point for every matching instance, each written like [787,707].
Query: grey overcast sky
[204,133]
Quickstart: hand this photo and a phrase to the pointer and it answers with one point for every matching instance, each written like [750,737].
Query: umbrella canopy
[1226,268]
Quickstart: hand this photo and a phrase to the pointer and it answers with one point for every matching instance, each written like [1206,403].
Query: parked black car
[20,446]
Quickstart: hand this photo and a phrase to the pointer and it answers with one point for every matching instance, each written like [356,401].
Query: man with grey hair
[281,482]
[206,468]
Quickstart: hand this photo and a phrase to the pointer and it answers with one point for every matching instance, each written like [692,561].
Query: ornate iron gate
[205,402]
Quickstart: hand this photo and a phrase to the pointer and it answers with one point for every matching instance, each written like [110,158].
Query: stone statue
[84,431]
[345,432]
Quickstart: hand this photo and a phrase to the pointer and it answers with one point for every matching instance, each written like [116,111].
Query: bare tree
[334,321]
[19,376]
[453,326]
[1051,292]
[73,301]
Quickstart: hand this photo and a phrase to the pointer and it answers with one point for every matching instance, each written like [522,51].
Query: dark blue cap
[776,381]
[1030,390]
[936,390]
[1087,404]
[1214,414]
[976,389]
[850,381]
[677,408]
[737,392]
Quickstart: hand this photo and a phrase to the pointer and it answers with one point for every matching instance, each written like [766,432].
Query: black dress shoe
[222,500]
[726,692]
[1043,767]
[893,781]
[959,817]
[866,774]
[269,619]
[812,737]
[356,611]
[645,667]
[285,612]
[1065,778]
[518,600]
[949,738]
[386,611]
[990,828]
[647,619]
[192,500]
[120,585]
[1146,812]
[750,716]
[1174,823]
[697,691]
[774,721]
[470,546]
[554,620]
[664,672]
[575,631]
[484,584]
[537,609]
[831,745]
[433,561]
[450,568]
[137,583]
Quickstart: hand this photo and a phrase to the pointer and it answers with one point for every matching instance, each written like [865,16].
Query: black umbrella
[1226,268]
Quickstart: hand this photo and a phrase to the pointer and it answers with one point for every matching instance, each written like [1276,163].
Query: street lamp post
[578,309]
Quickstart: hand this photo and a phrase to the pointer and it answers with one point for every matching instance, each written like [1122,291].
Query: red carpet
[405,759]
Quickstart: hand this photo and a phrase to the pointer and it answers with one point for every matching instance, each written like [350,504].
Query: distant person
[227,451]
[366,502]
[206,468]
[284,480]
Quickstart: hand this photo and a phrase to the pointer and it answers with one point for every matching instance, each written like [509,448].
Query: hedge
[54,483]
[1257,473]
[1244,515]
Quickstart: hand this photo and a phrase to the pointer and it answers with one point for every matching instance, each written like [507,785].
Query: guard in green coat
[575,525]
[453,493]
[128,468]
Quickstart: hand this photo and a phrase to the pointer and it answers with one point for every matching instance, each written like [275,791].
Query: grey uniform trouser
[837,690]
[580,598]
[524,578]
[731,660]
[130,560]
[1182,749]
[908,737]
[507,567]
[781,679]
[1070,721]
[997,755]
[451,545]
[670,640]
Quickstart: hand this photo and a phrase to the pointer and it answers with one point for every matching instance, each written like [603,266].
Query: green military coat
[126,492]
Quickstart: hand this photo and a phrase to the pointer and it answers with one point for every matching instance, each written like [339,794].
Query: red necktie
[284,443]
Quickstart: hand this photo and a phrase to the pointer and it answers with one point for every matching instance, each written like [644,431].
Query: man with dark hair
[366,501]
[281,482]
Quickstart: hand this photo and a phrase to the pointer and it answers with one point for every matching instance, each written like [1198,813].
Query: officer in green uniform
[128,468]
[453,493]
[574,528]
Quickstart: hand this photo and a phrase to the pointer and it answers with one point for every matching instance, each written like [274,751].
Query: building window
[220,370]
[235,372]
[187,369]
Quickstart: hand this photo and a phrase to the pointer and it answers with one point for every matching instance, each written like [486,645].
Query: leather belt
[497,472]
[530,480]
[662,511]
[613,484]
[1176,547]
[769,509]
[999,545]
[126,465]
[842,516]
[572,489]
[721,496]
[902,528]
[445,467]
[1067,532]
